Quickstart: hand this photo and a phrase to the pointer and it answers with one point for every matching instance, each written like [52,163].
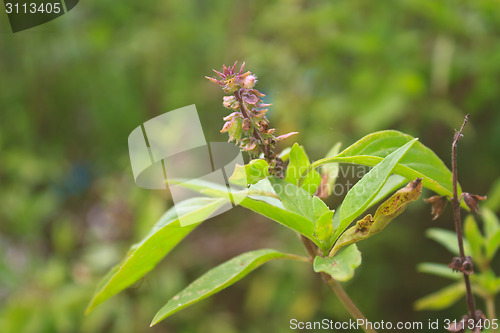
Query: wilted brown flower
[472,201]
[438,205]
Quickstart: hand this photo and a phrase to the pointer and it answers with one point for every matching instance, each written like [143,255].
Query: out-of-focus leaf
[441,299]
[439,270]
[493,201]
[299,165]
[250,173]
[491,222]
[385,213]
[367,188]
[485,283]
[164,236]
[342,266]
[219,278]
[493,245]
[448,239]
[419,162]
[473,235]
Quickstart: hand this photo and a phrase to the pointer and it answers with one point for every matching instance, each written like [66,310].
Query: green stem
[347,302]
[337,289]
[490,309]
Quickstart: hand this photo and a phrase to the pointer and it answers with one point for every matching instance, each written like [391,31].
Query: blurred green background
[73,89]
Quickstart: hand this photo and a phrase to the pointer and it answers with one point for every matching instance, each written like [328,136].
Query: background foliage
[72,90]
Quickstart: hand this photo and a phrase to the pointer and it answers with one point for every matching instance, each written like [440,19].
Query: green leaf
[324,231]
[448,239]
[164,236]
[342,266]
[367,188]
[235,130]
[285,154]
[253,199]
[493,245]
[287,218]
[419,162]
[299,165]
[393,183]
[250,173]
[297,200]
[386,212]
[218,279]
[439,270]
[493,200]
[476,240]
[441,299]
[491,222]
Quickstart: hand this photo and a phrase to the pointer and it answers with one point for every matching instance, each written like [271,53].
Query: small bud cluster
[247,125]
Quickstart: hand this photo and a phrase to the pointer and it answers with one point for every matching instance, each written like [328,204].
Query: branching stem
[471,304]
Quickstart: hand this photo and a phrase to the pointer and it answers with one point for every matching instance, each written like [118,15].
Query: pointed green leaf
[419,162]
[342,266]
[299,165]
[144,256]
[385,213]
[448,239]
[250,173]
[218,279]
[441,299]
[367,188]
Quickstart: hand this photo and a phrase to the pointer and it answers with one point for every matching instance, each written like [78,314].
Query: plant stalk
[490,309]
[471,303]
[338,290]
